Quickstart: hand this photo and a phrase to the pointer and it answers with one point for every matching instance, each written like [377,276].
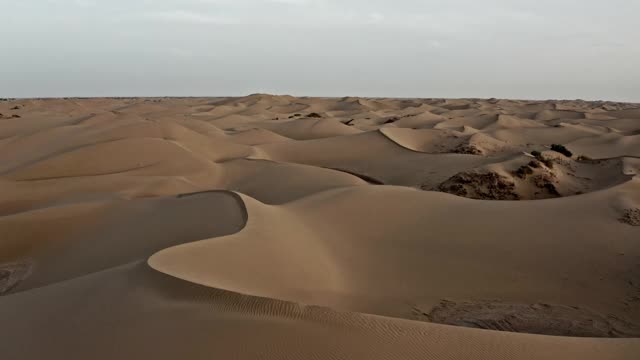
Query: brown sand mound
[550,175]
[312,127]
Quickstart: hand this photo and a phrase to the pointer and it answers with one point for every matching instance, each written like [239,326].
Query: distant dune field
[276,227]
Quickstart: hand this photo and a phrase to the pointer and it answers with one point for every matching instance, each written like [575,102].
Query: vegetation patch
[523,171]
[486,186]
[562,150]
[631,217]
[467,149]
[546,161]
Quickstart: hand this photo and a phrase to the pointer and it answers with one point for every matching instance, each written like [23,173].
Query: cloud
[376,17]
[258,2]
[85,3]
[187,17]
[179,53]
[292,2]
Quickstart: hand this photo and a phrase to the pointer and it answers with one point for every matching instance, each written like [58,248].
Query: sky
[543,49]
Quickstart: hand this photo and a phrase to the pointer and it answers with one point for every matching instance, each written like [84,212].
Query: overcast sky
[397,48]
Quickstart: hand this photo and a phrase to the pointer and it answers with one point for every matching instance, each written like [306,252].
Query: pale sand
[277,227]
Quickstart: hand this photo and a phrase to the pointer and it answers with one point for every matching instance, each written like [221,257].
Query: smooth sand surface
[277,227]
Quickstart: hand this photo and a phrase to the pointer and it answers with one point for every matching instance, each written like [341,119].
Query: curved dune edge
[252,281]
[369,179]
[108,230]
[303,128]
[386,133]
[296,264]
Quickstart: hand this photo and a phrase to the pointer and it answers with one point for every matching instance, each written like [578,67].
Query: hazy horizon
[304,96]
[563,49]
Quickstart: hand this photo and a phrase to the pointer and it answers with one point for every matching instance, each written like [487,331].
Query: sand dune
[281,227]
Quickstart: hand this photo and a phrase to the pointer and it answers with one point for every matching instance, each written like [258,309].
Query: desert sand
[277,227]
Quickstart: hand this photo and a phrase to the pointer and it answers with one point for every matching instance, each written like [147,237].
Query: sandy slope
[288,228]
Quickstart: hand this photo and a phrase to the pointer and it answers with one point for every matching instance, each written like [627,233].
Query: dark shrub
[314,115]
[551,189]
[540,158]
[523,171]
[561,149]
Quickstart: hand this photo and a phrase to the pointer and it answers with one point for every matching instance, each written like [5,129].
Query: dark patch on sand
[367,178]
[540,318]
[12,274]
[467,149]
[486,186]
[631,217]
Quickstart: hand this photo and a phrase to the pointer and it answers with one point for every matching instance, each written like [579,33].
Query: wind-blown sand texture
[276,227]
